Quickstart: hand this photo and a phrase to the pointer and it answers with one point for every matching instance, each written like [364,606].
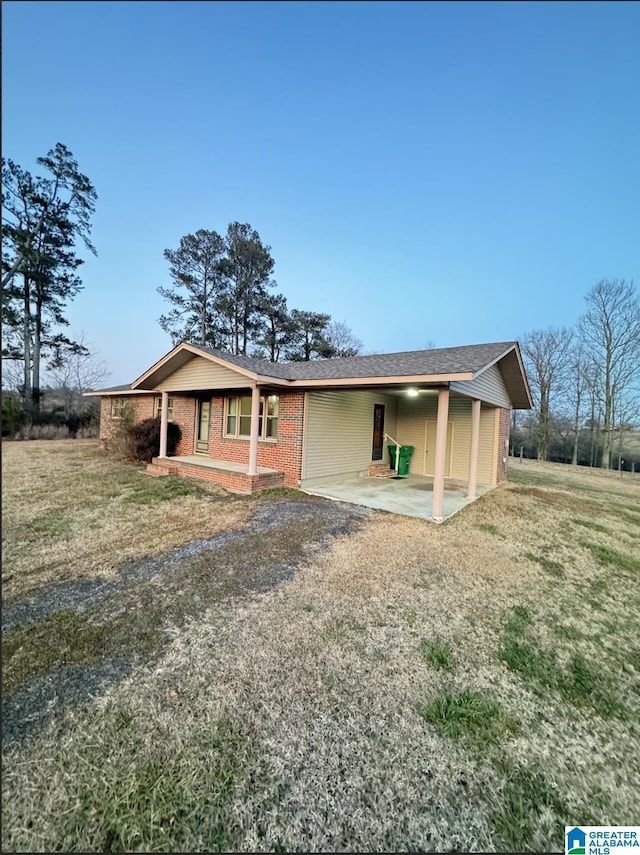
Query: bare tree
[610,330]
[545,353]
[342,340]
[578,369]
[77,372]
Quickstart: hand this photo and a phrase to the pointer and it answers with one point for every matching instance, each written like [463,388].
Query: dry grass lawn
[72,511]
[472,686]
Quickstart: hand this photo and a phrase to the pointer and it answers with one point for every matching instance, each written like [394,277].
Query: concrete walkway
[411,496]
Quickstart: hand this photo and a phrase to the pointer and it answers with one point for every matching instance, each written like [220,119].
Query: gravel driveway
[149,597]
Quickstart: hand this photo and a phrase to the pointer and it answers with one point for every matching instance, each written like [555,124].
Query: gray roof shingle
[445,360]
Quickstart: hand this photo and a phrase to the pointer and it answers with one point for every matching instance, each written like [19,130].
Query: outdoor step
[385,473]
[161,469]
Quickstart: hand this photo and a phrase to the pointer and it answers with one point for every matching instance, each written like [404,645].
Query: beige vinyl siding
[200,373]
[339,431]
[413,414]
[488,386]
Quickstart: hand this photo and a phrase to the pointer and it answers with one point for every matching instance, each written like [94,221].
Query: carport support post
[441,453]
[473,452]
[253,436]
[164,419]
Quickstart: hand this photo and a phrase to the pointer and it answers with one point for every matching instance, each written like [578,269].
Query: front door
[203,415]
[430,449]
[378,432]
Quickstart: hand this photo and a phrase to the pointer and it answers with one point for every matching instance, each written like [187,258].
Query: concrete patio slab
[411,496]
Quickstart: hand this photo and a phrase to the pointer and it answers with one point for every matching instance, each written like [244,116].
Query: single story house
[248,424]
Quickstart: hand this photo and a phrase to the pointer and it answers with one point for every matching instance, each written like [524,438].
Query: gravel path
[170,588]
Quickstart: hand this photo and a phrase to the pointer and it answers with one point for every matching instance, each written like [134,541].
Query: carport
[411,496]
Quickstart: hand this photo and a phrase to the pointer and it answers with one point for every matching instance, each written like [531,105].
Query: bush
[144,439]
[12,415]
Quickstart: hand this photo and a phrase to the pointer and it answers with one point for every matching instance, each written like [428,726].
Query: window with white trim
[117,407]
[169,409]
[238,417]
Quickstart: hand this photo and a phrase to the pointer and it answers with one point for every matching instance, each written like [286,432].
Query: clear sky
[448,172]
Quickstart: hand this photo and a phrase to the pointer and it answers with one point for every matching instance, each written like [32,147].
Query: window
[238,419]
[117,407]
[272,417]
[169,409]
[244,428]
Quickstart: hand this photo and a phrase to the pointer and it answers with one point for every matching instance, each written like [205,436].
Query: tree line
[222,295]
[585,382]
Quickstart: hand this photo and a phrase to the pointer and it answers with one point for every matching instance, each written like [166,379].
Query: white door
[430,449]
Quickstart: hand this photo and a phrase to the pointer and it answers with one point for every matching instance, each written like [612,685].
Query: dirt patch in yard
[563,500]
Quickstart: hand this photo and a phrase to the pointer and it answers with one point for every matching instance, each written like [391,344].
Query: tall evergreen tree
[44,220]
[309,337]
[276,328]
[198,290]
[247,266]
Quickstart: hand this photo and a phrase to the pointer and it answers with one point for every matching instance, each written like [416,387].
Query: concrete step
[385,473]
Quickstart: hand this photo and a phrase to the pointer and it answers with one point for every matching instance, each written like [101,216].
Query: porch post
[164,419]
[473,451]
[253,436]
[441,453]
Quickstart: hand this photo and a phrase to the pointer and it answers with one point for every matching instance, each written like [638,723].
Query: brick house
[248,424]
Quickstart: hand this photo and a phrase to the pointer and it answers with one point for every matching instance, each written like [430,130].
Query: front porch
[411,496]
[232,476]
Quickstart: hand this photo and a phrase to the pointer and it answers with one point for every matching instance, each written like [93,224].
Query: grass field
[469,686]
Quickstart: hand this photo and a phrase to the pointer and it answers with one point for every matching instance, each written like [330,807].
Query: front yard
[187,670]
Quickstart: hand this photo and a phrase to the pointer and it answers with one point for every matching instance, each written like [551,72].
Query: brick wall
[235,482]
[503,444]
[143,407]
[284,455]
[184,415]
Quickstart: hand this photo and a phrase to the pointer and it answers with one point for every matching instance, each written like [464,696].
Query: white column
[164,419]
[441,453]
[472,488]
[253,436]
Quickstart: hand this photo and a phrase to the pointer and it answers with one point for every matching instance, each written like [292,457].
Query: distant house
[248,424]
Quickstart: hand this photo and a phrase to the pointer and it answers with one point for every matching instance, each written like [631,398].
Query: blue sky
[448,172]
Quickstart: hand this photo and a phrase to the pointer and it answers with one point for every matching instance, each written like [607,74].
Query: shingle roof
[126,387]
[251,363]
[444,360]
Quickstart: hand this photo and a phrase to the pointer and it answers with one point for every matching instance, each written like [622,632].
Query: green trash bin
[404,458]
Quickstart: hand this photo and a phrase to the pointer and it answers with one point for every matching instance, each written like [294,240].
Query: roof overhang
[380,382]
[514,376]
[116,393]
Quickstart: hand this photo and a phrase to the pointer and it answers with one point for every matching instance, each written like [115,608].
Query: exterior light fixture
[412,393]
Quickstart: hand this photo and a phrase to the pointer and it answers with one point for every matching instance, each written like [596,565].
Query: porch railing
[397,444]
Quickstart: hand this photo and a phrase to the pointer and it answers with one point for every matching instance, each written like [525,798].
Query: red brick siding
[284,455]
[235,482]
[184,415]
[143,407]
[503,444]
